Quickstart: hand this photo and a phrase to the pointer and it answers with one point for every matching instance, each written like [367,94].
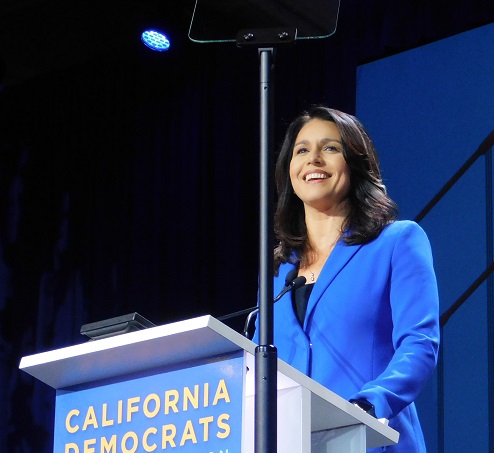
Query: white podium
[186,387]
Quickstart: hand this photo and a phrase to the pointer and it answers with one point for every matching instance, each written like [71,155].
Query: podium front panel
[196,408]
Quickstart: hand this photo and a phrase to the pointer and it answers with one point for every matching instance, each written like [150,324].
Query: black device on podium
[265,24]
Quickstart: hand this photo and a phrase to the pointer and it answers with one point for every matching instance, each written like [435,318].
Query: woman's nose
[315,157]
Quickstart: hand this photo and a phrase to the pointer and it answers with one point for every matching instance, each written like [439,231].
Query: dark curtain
[129,182]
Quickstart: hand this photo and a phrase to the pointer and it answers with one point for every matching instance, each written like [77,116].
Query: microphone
[291,282]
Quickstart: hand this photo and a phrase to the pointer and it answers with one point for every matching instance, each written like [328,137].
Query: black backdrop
[129,181]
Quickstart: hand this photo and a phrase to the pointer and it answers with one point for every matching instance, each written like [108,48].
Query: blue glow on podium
[155,40]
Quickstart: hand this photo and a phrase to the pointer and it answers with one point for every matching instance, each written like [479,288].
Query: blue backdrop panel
[427,111]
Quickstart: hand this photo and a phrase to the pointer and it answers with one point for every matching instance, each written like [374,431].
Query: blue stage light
[155,40]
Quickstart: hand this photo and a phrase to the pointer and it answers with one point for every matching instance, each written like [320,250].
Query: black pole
[266,354]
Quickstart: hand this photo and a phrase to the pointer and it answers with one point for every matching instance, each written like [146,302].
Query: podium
[189,387]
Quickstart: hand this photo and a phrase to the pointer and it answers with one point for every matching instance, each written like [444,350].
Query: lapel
[336,262]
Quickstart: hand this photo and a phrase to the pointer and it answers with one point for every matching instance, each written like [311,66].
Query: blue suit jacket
[372,327]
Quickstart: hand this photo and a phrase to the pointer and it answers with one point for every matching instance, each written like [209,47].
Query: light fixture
[155,40]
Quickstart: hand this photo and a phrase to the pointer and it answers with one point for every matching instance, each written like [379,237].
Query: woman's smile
[316,176]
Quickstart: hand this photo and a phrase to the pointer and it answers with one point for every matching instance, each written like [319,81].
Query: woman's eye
[301,150]
[332,149]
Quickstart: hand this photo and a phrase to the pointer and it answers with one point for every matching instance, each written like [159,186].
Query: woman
[366,323]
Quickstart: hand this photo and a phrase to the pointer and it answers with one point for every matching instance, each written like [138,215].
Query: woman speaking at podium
[366,324]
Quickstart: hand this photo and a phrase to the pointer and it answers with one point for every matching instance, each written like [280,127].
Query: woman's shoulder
[399,227]
[403,231]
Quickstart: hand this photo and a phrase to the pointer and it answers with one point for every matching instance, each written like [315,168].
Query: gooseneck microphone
[291,282]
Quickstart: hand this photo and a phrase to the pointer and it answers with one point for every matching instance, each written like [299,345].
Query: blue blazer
[372,326]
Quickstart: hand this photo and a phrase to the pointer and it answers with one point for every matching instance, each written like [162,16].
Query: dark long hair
[371,209]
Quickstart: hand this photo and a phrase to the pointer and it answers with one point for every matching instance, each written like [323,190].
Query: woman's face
[318,171]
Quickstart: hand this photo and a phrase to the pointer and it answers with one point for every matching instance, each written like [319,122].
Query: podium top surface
[132,352]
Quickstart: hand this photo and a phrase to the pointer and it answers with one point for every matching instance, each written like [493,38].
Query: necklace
[319,264]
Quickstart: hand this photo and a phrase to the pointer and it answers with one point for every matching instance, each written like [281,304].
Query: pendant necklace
[312,275]
[321,262]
